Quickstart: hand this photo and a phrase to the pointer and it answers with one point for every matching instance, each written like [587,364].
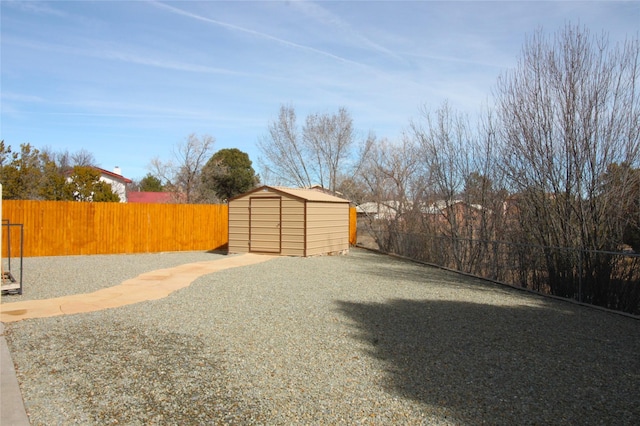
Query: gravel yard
[357,339]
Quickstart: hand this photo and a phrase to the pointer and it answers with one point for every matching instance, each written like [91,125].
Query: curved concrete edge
[12,411]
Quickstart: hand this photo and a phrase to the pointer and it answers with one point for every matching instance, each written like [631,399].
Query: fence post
[580,275]
[495,259]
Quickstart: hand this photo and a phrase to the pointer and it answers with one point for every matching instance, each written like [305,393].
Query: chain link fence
[602,278]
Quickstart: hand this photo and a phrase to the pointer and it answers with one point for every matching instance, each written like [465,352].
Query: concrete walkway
[148,286]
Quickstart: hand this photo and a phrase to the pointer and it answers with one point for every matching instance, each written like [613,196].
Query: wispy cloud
[107,109]
[326,18]
[456,59]
[123,54]
[136,58]
[254,33]
[36,7]
[20,97]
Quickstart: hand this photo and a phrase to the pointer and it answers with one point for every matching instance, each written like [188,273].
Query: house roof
[300,193]
[112,175]
[392,206]
[150,197]
[372,207]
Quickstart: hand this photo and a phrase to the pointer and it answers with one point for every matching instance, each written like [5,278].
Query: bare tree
[323,152]
[568,111]
[394,175]
[460,182]
[285,155]
[329,139]
[83,158]
[181,174]
[445,139]
[66,160]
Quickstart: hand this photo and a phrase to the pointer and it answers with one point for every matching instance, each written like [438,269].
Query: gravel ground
[55,276]
[357,339]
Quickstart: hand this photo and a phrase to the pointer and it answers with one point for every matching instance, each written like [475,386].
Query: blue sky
[128,80]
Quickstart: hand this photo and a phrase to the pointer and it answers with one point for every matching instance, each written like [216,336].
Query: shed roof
[300,193]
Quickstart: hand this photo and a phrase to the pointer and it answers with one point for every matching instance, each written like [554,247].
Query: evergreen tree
[229,173]
[20,172]
[151,183]
[85,185]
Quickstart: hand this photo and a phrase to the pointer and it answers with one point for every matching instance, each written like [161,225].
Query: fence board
[61,228]
[353,226]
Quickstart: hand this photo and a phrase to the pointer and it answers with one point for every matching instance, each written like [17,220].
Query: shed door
[264,224]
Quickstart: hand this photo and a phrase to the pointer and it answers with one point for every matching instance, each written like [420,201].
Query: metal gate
[11,274]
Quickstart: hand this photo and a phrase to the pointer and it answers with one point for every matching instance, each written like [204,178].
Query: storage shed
[289,222]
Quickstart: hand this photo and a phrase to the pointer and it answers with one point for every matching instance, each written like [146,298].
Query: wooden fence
[63,228]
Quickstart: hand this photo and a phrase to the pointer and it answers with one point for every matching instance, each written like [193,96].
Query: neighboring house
[387,210]
[373,210]
[116,180]
[152,197]
[443,214]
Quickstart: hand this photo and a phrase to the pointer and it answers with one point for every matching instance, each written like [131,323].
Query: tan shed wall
[292,227]
[239,226]
[327,227]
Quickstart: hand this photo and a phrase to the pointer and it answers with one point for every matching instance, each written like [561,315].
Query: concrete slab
[12,411]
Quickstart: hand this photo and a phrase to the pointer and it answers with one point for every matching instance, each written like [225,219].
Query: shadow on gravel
[506,364]
[123,375]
